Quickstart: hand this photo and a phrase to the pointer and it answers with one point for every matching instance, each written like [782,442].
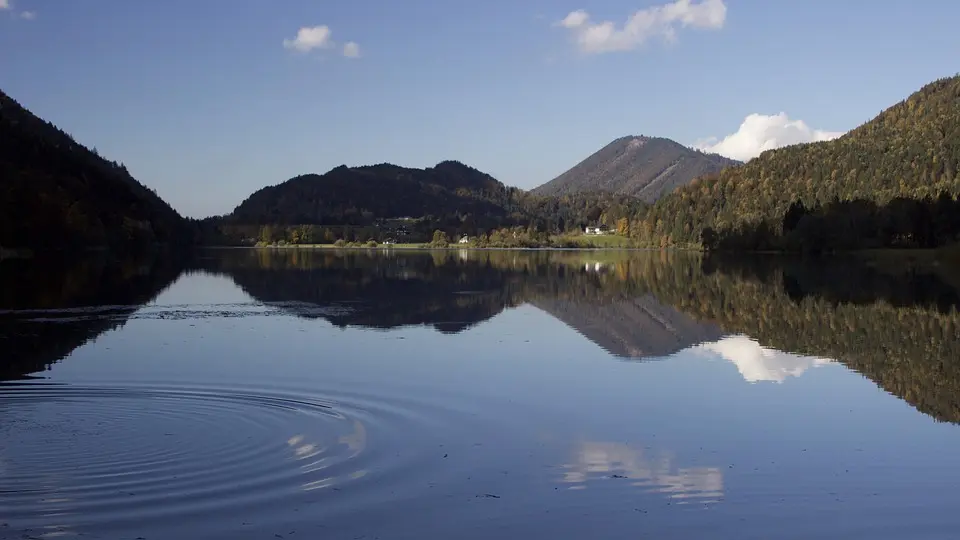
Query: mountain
[355,195]
[643,167]
[56,193]
[879,185]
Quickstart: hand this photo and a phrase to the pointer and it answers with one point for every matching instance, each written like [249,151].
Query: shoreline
[428,247]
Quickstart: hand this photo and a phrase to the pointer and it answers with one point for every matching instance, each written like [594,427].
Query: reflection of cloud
[594,460]
[355,441]
[758,363]
[301,449]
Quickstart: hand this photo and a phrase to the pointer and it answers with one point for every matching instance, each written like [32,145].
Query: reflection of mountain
[898,326]
[631,328]
[452,292]
[596,460]
[758,363]
[60,292]
[374,292]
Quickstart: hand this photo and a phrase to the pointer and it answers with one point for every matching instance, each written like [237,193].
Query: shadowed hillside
[56,193]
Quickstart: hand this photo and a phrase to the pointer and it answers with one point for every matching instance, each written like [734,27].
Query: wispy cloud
[29,15]
[308,38]
[760,132]
[661,21]
[351,49]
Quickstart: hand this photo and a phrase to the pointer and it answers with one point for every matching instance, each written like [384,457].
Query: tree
[268,234]
[440,239]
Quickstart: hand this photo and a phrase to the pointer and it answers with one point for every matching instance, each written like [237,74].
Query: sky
[208,101]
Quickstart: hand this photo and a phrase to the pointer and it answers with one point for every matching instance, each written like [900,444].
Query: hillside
[643,167]
[56,193]
[879,185]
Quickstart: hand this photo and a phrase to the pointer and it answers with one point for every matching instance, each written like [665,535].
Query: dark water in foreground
[249,394]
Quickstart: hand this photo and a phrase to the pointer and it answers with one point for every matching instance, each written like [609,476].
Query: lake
[262,394]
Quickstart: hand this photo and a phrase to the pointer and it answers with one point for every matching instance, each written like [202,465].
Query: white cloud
[4,4]
[760,132]
[29,15]
[575,19]
[308,38]
[657,21]
[351,50]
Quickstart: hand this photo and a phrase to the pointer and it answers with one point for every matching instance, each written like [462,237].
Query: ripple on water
[90,455]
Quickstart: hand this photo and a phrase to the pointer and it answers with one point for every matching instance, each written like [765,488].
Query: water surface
[286,394]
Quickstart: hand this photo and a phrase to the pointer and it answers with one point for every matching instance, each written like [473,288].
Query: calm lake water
[254,394]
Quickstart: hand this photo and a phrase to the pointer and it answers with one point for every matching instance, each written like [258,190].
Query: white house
[464,239]
[599,229]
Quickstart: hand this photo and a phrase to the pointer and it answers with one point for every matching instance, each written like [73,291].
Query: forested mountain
[388,201]
[891,182]
[356,195]
[56,193]
[643,167]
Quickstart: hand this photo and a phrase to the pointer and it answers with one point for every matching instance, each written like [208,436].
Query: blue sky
[203,101]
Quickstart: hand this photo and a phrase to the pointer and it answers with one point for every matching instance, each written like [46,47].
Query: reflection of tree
[903,337]
[596,460]
[60,291]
